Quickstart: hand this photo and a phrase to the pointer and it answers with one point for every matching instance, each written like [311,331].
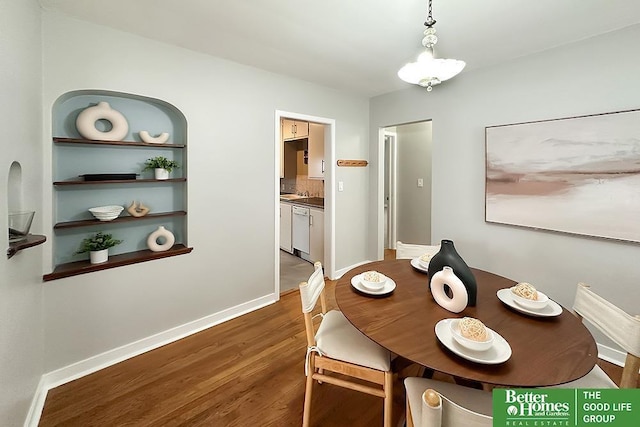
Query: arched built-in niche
[75,156]
[15,209]
[14,188]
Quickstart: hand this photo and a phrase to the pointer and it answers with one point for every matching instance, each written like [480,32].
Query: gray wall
[593,76]
[21,329]
[230,110]
[413,202]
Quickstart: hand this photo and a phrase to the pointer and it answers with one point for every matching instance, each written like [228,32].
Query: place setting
[526,299]
[421,263]
[470,339]
[373,284]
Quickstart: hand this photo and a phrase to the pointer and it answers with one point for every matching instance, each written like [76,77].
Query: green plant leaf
[97,242]
[160,162]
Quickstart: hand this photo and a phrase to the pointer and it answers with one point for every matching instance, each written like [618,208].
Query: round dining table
[545,351]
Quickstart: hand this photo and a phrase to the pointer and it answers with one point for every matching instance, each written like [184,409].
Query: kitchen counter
[313,202]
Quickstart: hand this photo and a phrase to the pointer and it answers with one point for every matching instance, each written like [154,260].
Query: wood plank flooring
[245,372]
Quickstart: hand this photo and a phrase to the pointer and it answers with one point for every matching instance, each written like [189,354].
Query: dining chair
[411,250]
[432,403]
[620,327]
[338,347]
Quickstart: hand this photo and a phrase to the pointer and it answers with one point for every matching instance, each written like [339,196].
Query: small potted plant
[98,247]
[161,166]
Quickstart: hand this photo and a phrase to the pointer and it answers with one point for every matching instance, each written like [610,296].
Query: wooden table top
[545,350]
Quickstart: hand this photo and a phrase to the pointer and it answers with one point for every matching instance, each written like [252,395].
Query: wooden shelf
[108,162]
[60,140]
[82,267]
[92,222]
[117,181]
[30,241]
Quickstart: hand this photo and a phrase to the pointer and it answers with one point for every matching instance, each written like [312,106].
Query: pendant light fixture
[428,71]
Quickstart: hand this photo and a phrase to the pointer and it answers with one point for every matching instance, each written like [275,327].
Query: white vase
[459,296]
[98,257]
[160,234]
[161,173]
[86,123]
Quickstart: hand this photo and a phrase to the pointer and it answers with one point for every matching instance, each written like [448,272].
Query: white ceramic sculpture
[164,234]
[86,123]
[160,139]
[459,299]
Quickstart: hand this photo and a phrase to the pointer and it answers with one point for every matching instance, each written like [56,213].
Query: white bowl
[541,302]
[424,260]
[374,285]
[106,213]
[469,343]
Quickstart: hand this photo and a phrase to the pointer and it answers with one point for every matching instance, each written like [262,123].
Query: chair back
[410,250]
[620,327]
[438,411]
[310,291]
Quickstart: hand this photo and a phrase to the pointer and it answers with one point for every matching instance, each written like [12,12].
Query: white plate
[550,310]
[415,263]
[499,352]
[389,286]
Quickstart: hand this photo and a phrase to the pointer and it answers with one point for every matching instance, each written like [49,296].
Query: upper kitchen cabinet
[294,129]
[316,151]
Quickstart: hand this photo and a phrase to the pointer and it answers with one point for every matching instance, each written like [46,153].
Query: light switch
[420,182]
[340,186]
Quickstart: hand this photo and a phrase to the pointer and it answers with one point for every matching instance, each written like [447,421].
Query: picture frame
[577,175]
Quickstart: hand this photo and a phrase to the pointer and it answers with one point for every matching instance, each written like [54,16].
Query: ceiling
[356,45]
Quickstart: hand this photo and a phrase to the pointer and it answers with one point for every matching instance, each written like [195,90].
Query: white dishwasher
[300,230]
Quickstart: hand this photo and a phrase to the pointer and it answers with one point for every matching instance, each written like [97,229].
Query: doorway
[406,204]
[328,229]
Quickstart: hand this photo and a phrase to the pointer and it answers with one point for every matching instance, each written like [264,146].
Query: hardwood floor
[245,372]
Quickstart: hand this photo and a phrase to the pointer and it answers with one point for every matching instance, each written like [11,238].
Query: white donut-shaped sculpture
[460,298]
[160,139]
[86,123]
[160,233]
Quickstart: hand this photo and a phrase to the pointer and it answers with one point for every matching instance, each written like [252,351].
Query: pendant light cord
[430,22]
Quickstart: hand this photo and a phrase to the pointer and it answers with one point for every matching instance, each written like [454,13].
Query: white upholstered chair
[338,347]
[432,403]
[410,250]
[620,327]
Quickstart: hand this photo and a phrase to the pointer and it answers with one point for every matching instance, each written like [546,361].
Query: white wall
[230,111]
[21,329]
[593,76]
[413,202]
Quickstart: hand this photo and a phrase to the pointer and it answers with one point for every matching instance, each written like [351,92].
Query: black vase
[448,256]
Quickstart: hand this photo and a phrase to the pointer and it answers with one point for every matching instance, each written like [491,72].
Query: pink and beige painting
[577,175]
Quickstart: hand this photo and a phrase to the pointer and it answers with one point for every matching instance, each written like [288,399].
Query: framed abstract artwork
[578,175]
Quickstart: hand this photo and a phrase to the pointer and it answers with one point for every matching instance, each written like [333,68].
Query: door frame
[329,193]
[379,205]
[391,163]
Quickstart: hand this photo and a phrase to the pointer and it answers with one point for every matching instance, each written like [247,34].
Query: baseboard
[37,404]
[111,357]
[611,355]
